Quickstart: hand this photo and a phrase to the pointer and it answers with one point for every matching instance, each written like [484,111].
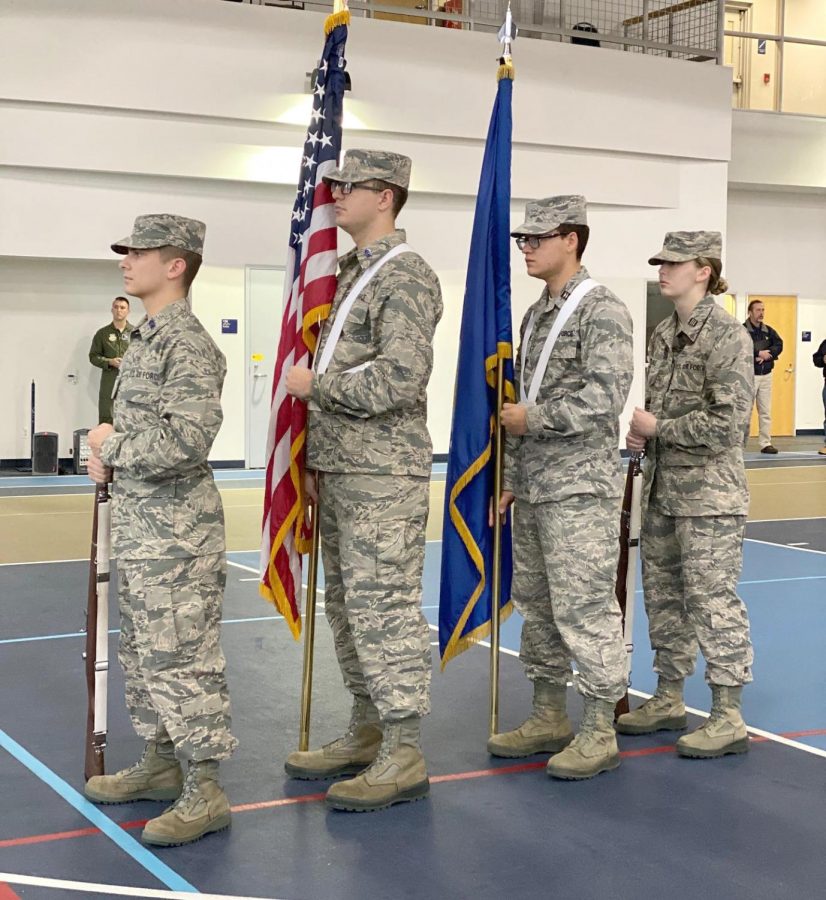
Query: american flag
[308,294]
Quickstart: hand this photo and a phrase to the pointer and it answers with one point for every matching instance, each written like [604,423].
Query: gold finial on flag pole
[507,35]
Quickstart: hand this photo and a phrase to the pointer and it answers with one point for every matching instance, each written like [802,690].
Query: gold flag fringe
[506,70]
[335,19]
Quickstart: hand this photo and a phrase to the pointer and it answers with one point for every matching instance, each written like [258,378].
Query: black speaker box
[44,453]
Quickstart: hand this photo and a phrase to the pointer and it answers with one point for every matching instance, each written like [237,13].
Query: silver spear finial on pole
[507,34]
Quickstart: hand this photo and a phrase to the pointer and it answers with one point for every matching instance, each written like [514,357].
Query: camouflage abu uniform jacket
[700,388]
[368,411]
[167,412]
[571,448]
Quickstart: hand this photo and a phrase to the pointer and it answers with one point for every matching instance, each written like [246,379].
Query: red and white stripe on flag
[307,300]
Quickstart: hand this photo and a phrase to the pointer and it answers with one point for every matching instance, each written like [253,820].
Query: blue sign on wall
[761,46]
[806,336]
[229,326]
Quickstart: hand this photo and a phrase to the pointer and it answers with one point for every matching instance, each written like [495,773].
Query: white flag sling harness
[565,313]
[344,310]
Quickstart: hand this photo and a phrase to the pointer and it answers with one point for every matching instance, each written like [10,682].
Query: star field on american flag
[320,146]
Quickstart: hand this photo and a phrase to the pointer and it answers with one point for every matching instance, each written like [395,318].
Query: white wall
[207,114]
[778,152]
[50,311]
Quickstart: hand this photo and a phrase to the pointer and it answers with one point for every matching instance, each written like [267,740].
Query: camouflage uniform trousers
[372,543]
[565,564]
[690,567]
[170,652]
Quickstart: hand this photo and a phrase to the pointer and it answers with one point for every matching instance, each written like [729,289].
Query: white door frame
[248,356]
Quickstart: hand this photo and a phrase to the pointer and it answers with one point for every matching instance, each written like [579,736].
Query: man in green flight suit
[108,346]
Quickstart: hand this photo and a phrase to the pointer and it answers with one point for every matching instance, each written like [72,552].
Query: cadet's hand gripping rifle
[97,634]
[629,552]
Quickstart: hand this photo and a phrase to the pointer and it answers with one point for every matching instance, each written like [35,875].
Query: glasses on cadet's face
[346,187]
[535,240]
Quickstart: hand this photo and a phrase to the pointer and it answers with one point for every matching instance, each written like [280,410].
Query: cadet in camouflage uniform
[368,443]
[698,402]
[108,346]
[168,538]
[562,466]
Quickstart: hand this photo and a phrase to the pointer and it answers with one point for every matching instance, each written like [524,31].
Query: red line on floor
[315,798]
[6,893]
[43,838]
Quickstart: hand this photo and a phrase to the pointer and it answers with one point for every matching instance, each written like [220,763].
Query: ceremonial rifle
[626,585]
[97,634]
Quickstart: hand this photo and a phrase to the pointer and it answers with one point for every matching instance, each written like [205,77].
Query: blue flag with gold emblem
[467,539]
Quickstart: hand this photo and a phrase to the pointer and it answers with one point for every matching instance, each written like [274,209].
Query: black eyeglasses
[346,187]
[535,240]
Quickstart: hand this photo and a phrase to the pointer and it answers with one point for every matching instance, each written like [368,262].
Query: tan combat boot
[347,755]
[593,750]
[665,711]
[724,732]
[155,776]
[398,773]
[202,808]
[546,730]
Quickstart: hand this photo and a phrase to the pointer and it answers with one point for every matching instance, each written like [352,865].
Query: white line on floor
[43,562]
[769,735]
[785,519]
[786,546]
[798,543]
[112,890]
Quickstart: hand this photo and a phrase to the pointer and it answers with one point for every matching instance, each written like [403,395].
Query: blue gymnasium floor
[740,827]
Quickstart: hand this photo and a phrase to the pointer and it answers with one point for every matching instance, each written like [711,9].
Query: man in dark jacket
[768,345]
[819,359]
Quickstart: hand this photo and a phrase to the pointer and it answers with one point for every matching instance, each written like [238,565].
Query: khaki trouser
[763,399]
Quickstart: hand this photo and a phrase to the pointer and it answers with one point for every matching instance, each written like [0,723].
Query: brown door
[781,314]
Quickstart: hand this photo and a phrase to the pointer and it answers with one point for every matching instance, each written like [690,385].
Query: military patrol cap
[682,246]
[365,165]
[161,230]
[542,216]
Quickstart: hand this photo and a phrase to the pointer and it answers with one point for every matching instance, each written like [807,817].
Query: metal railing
[679,29]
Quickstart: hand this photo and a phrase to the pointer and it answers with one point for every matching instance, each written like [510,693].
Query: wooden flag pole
[309,636]
[496,574]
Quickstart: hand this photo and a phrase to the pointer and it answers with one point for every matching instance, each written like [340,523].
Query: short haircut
[123,300]
[399,193]
[192,260]
[582,233]
[754,303]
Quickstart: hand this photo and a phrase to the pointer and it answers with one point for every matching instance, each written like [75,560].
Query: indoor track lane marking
[110,890]
[6,893]
[434,779]
[786,546]
[126,842]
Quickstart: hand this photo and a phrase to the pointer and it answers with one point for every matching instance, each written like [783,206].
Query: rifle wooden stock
[97,619]
[627,565]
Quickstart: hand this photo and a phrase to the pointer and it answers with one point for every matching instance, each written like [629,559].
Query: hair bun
[721,287]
